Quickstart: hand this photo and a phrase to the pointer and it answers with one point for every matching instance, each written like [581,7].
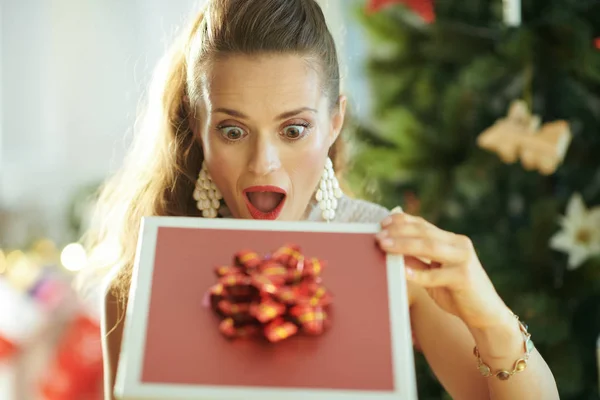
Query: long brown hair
[159,173]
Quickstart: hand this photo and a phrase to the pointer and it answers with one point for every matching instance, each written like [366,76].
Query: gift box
[242,309]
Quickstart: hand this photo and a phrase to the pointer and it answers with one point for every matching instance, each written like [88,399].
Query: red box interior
[184,346]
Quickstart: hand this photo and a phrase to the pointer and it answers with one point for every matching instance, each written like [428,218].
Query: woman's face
[266,129]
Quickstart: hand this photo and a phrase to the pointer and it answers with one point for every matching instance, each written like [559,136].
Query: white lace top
[352,210]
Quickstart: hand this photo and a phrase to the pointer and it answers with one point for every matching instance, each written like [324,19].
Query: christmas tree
[441,144]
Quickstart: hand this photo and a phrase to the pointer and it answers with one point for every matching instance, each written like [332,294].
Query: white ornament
[329,192]
[512,12]
[207,196]
[580,234]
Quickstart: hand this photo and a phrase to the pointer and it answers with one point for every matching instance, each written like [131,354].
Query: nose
[264,157]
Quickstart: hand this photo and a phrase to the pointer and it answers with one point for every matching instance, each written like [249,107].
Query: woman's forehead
[268,82]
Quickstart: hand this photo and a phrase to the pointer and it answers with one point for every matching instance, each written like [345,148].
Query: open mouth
[264,202]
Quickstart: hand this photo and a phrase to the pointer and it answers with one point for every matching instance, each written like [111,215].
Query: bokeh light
[73,257]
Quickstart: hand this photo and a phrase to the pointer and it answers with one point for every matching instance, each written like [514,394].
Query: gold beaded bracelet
[518,366]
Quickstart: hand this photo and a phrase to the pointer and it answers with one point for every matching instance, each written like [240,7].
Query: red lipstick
[264,202]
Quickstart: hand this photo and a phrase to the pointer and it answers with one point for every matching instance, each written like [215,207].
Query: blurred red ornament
[422,7]
[76,372]
[7,348]
[597,43]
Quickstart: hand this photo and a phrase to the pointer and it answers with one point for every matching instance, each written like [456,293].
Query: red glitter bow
[276,296]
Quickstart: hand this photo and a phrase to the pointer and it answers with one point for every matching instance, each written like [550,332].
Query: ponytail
[157,177]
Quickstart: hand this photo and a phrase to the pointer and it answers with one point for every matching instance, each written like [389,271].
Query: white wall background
[71,75]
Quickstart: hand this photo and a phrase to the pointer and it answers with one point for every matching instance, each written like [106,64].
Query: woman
[244,121]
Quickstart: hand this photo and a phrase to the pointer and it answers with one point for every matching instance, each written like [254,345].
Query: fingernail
[387,242]
[387,221]
[410,272]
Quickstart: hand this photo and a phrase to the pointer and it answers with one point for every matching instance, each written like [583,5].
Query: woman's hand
[454,278]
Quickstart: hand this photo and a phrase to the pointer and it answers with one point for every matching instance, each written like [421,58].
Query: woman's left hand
[455,278]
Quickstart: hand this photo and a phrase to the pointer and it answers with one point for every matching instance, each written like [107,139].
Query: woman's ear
[337,121]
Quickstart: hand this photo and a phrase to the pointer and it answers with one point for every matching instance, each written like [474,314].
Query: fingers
[415,228]
[409,235]
[436,277]
[409,225]
[420,241]
[424,248]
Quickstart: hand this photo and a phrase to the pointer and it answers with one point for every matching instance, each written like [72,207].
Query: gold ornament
[545,150]
[504,137]
[519,137]
[22,268]
[21,271]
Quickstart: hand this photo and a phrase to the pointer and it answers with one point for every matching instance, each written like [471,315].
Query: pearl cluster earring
[207,195]
[329,192]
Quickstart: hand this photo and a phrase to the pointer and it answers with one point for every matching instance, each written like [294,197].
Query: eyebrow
[285,115]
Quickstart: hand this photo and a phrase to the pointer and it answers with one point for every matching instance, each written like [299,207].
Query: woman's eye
[293,132]
[232,133]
